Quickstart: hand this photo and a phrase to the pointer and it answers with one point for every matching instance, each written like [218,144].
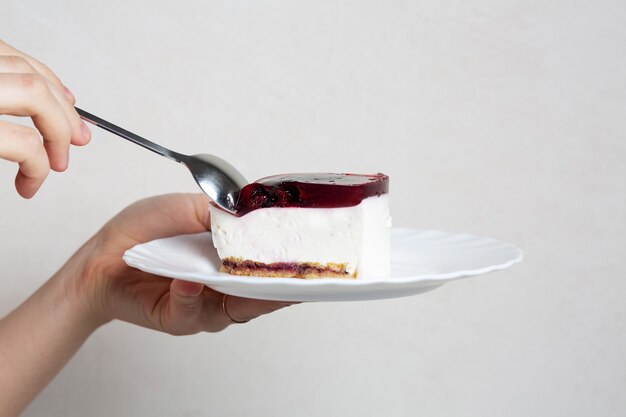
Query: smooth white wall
[504,119]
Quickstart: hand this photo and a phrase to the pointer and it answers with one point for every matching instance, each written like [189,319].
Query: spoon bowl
[217,178]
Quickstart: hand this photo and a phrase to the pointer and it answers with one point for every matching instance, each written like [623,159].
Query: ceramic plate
[421,260]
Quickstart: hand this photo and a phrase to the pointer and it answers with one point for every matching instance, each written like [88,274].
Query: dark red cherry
[317,190]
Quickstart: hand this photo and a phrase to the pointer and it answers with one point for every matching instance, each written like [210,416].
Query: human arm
[95,286]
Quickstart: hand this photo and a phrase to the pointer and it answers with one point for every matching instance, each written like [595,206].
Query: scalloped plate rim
[137,258]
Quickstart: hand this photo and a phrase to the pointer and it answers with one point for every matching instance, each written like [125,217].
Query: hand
[29,88]
[116,291]
[95,286]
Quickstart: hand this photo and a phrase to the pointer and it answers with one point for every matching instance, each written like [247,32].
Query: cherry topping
[318,190]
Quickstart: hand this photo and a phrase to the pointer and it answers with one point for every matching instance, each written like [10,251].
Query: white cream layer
[357,236]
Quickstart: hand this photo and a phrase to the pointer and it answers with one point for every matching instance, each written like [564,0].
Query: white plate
[420,261]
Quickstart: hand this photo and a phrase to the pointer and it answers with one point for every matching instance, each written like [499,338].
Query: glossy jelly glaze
[314,190]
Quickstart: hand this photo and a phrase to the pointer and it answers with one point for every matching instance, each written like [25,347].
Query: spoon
[217,178]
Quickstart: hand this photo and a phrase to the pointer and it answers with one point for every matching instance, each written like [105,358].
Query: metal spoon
[218,179]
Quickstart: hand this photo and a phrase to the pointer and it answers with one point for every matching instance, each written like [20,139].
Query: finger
[201,205]
[18,65]
[185,307]
[167,215]
[6,49]
[15,64]
[30,95]
[23,145]
[239,309]
[81,134]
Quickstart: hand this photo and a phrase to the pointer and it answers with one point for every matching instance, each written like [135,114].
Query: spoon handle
[130,136]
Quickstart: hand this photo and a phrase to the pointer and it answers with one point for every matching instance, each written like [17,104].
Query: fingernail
[67,160]
[85,129]
[69,93]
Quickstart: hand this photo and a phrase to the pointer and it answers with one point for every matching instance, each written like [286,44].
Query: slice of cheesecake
[307,226]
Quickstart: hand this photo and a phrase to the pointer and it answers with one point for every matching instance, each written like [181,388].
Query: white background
[498,118]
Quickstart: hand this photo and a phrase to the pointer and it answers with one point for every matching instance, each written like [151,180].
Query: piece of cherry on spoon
[217,178]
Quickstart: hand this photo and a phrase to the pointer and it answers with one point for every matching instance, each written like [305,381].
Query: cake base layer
[304,270]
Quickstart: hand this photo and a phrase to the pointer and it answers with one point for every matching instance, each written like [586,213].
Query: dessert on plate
[307,226]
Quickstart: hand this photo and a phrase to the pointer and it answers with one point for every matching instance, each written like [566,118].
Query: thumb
[185,306]
[186,288]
